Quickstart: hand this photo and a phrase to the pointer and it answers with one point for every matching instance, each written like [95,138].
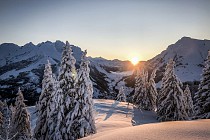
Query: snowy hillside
[118,120]
[23,66]
[189,55]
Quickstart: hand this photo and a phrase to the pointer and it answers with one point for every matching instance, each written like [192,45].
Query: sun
[135,60]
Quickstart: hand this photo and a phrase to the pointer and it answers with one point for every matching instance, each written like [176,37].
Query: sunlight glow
[135,60]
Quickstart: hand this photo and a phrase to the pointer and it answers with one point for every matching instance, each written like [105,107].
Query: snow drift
[177,130]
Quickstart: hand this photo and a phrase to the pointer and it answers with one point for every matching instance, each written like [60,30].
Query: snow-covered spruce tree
[21,120]
[121,95]
[67,96]
[202,97]
[188,101]
[6,126]
[5,117]
[1,115]
[82,118]
[48,88]
[139,86]
[1,119]
[52,110]
[152,91]
[143,97]
[171,104]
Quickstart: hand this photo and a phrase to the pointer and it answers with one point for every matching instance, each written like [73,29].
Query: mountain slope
[23,66]
[189,55]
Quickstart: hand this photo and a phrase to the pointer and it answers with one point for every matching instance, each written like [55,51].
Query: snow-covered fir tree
[6,125]
[21,120]
[83,114]
[48,88]
[145,91]
[5,119]
[2,106]
[188,101]
[66,98]
[140,87]
[121,95]
[1,119]
[152,91]
[1,115]
[52,110]
[171,104]
[202,97]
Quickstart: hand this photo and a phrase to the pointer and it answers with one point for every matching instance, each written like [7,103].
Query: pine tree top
[187,92]
[170,75]
[19,98]
[84,62]
[48,76]
[67,69]
[187,88]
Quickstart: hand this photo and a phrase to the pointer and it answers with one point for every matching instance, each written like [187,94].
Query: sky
[113,29]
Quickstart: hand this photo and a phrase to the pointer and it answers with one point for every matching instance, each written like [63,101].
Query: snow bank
[177,130]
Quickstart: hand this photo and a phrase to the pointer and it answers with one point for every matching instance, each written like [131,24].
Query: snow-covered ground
[177,130]
[111,114]
[120,121]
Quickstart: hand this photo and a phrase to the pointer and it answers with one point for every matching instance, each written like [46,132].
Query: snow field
[118,121]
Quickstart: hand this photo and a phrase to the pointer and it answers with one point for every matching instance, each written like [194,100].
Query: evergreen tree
[1,115]
[21,120]
[121,95]
[1,119]
[188,101]
[6,125]
[202,97]
[171,104]
[52,110]
[152,91]
[140,87]
[83,114]
[145,92]
[67,96]
[48,88]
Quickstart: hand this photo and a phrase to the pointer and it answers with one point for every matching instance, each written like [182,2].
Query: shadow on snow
[143,117]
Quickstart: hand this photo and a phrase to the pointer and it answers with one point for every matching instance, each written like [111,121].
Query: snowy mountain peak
[24,66]
[185,38]
[8,46]
[189,55]
[30,44]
